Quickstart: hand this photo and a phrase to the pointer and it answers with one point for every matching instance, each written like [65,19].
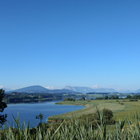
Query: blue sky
[54,43]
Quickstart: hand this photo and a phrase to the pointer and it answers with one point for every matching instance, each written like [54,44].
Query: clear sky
[54,43]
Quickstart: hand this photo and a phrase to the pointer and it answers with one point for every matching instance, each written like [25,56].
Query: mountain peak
[89,89]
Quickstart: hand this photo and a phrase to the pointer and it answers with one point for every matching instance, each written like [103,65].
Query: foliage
[23,98]
[133,100]
[106,97]
[99,98]
[108,117]
[114,97]
[69,99]
[2,107]
[128,96]
[40,116]
[83,98]
[75,130]
[133,97]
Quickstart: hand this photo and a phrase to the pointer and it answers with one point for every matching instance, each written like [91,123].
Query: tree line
[22,97]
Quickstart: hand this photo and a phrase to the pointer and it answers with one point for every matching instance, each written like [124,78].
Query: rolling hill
[40,89]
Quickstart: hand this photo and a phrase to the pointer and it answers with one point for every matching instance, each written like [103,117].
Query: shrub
[132,100]
[69,99]
[94,118]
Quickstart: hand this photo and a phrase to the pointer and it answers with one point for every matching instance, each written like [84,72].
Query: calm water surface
[29,111]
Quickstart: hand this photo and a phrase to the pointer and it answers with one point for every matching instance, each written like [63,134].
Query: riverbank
[74,127]
[90,107]
[29,111]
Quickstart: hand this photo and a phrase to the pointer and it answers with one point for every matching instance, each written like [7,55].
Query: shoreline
[89,107]
[66,103]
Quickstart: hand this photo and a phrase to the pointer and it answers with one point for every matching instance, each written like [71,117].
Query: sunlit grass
[75,129]
[90,107]
[127,126]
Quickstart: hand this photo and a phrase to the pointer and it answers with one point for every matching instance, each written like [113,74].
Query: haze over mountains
[88,89]
[66,89]
[40,89]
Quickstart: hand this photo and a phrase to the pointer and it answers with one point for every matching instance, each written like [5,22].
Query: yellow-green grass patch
[90,107]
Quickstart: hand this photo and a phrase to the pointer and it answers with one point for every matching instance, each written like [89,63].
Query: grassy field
[120,111]
[82,129]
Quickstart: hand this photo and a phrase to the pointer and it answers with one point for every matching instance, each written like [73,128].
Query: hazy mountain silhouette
[138,91]
[88,89]
[40,89]
[30,89]
[67,89]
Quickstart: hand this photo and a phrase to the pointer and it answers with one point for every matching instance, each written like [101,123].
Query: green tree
[2,107]
[128,96]
[112,97]
[117,97]
[108,114]
[40,116]
[83,98]
[106,97]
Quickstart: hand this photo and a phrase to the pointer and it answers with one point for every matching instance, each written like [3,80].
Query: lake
[29,111]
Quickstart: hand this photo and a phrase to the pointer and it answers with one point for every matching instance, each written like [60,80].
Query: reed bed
[75,129]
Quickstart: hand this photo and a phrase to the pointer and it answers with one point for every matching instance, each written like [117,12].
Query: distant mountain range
[88,89]
[40,89]
[67,89]
[138,91]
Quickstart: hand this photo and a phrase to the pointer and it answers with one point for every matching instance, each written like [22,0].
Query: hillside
[88,89]
[40,89]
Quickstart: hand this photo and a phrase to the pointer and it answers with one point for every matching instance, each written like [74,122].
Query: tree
[106,97]
[2,107]
[128,96]
[105,115]
[112,97]
[108,114]
[83,98]
[40,116]
[117,97]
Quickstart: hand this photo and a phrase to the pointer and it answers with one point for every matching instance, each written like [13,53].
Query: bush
[108,114]
[69,99]
[94,118]
[83,98]
[133,100]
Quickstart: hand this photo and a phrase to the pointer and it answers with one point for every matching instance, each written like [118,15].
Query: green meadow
[119,108]
[122,109]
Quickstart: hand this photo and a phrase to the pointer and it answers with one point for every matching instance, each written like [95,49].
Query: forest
[16,97]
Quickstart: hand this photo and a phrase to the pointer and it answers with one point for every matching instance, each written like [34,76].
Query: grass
[90,107]
[74,129]
[126,128]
